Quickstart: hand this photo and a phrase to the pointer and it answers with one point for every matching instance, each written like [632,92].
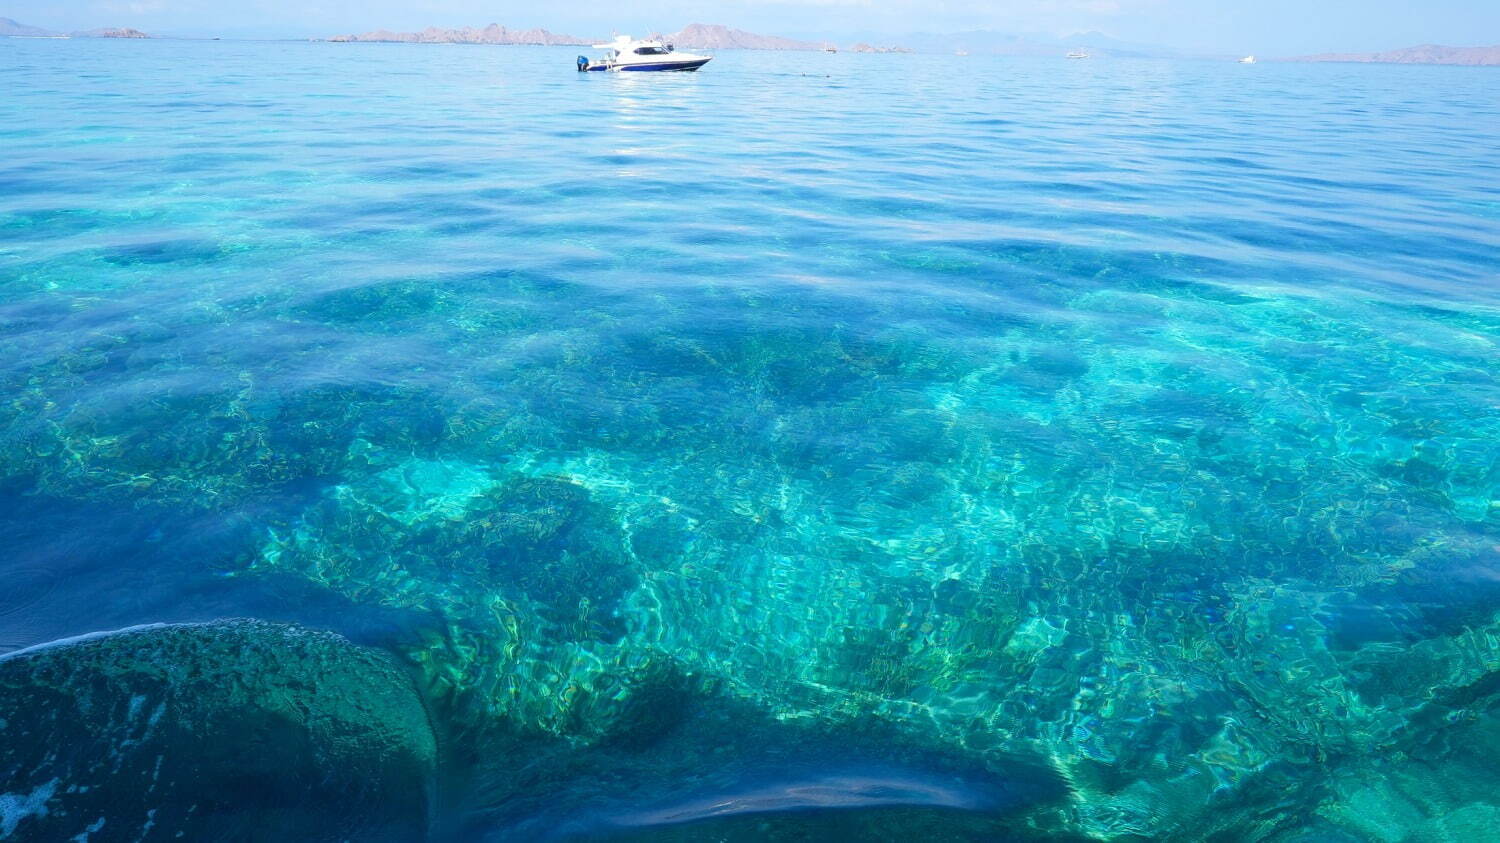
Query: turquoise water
[1062,450]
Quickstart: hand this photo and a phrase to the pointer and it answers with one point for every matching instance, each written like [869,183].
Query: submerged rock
[690,761]
[230,730]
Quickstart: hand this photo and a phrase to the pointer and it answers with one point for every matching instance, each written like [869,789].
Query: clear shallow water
[1096,450]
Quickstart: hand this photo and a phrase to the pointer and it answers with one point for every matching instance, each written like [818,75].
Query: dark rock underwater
[246,730]
[229,730]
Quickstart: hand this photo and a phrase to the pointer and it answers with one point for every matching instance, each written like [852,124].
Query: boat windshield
[650,51]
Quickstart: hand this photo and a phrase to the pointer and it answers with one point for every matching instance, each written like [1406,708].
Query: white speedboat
[1248,60]
[626,53]
[1078,54]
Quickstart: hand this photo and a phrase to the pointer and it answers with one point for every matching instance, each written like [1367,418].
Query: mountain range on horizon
[699,36]
[13,29]
[706,36]
[720,37]
[1424,54]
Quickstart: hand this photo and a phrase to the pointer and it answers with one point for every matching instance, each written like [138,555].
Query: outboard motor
[583,63]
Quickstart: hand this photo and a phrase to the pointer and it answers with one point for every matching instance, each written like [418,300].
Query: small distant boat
[1078,54]
[626,53]
[829,48]
[961,53]
[1248,60]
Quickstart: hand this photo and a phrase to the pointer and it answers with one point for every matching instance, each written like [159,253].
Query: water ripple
[1138,419]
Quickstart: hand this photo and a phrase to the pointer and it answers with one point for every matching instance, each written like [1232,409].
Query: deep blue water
[1086,450]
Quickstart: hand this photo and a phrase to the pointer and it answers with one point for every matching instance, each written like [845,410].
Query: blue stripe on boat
[682,65]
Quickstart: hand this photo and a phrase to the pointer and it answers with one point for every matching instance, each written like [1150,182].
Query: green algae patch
[528,579]
[223,730]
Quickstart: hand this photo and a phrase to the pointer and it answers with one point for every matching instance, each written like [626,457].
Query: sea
[814,447]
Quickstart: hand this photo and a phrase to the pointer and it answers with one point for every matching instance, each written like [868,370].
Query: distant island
[704,36]
[13,29]
[712,36]
[1425,54]
[20,30]
[112,32]
[697,36]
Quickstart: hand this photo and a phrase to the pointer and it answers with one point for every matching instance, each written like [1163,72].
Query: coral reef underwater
[1107,452]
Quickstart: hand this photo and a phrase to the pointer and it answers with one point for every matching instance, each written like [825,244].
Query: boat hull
[651,66]
[680,65]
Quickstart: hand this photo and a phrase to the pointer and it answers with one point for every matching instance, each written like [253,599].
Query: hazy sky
[1266,26]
